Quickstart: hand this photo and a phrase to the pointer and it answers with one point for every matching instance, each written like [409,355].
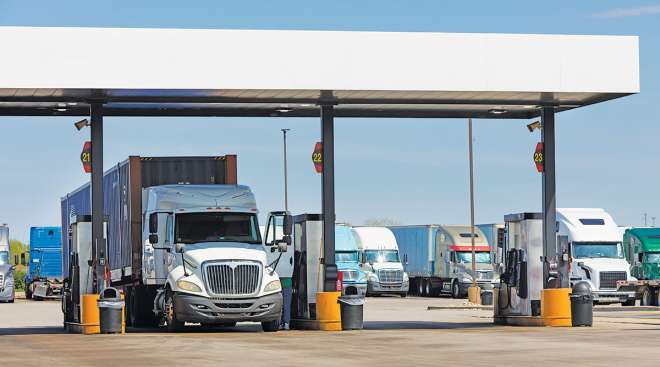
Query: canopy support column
[328,203]
[549,192]
[99,250]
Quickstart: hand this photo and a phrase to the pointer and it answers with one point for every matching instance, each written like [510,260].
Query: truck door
[157,258]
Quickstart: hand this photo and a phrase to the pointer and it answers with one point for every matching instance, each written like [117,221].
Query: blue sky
[412,171]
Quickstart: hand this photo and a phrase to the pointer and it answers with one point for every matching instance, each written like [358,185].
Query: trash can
[111,307]
[351,312]
[486,298]
[582,302]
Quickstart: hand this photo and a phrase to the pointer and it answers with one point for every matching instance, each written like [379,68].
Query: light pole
[474,293]
[286,184]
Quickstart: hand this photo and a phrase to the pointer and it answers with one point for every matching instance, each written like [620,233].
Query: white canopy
[56,71]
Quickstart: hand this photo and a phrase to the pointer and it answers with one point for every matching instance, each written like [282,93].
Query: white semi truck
[380,260]
[596,252]
[183,245]
[7,291]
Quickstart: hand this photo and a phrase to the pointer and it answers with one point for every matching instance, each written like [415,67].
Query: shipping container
[122,185]
[416,246]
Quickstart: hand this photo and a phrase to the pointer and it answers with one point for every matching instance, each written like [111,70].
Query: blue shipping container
[45,253]
[416,248]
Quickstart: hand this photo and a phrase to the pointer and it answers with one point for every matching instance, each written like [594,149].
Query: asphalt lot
[397,332]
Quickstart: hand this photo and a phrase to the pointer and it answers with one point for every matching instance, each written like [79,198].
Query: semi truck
[183,243]
[596,253]
[347,258]
[641,246]
[438,259]
[379,259]
[44,273]
[7,291]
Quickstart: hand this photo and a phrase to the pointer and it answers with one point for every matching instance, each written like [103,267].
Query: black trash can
[352,308]
[486,298]
[111,308]
[582,303]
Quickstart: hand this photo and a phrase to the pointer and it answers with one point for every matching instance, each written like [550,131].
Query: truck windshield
[4,258]
[382,256]
[653,257]
[216,227]
[597,250]
[348,256]
[479,257]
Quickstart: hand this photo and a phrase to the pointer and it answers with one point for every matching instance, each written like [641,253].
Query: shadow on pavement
[38,330]
[424,325]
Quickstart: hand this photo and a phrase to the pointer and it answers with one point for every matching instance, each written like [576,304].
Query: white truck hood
[387,265]
[208,251]
[604,264]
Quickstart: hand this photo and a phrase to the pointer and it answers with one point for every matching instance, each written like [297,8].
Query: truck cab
[642,249]
[44,273]
[454,259]
[203,249]
[596,252]
[379,257]
[347,258]
[7,292]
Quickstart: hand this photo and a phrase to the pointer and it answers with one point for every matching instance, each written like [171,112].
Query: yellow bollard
[556,307]
[328,311]
[90,314]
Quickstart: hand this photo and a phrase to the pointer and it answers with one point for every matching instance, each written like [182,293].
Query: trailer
[438,259]
[183,243]
[44,274]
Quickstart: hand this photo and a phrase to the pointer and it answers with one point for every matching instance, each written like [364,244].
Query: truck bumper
[190,308]
[359,288]
[613,296]
[380,288]
[7,294]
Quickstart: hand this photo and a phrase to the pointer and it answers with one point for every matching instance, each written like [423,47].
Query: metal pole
[328,188]
[474,264]
[98,242]
[549,191]
[286,184]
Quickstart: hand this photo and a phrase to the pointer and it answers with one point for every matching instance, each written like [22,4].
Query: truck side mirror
[153,223]
[287,223]
[180,248]
[153,239]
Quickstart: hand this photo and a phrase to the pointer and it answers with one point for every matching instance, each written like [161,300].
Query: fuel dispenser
[518,296]
[307,270]
[79,301]
[532,289]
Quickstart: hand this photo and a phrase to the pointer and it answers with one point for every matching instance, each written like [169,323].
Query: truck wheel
[420,287]
[404,294]
[170,314]
[270,326]
[428,288]
[455,289]
[647,298]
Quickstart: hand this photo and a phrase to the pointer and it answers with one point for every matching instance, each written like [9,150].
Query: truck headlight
[405,277]
[372,277]
[467,278]
[273,286]
[188,286]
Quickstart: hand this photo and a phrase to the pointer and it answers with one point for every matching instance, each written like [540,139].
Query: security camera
[534,125]
[81,124]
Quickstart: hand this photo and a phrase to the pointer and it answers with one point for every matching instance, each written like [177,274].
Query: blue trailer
[44,273]
[417,249]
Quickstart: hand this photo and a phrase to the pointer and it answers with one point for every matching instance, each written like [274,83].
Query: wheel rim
[646,298]
[420,288]
[454,290]
[428,288]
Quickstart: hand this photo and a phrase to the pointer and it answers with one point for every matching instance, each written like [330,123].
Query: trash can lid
[581,288]
[110,292]
[353,300]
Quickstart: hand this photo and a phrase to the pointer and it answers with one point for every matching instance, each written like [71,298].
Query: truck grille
[2,281]
[608,279]
[233,278]
[390,276]
[350,275]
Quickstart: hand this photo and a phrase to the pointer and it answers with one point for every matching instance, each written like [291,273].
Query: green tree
[16,248]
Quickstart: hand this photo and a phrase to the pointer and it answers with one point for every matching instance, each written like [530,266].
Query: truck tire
[428,288]
[171,321]
[270,326]
[455,289]
[140,307]
[420,287]
[648,297]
